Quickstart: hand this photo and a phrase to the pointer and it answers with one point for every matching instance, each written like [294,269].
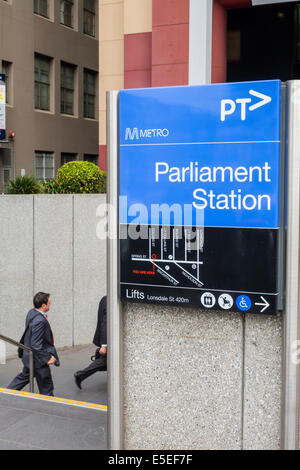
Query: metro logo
[136,134]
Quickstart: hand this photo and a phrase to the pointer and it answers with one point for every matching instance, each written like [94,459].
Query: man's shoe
[77,380]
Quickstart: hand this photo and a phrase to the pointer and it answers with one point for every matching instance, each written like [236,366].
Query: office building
[49,55]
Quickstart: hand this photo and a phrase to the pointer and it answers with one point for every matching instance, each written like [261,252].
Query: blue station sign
[199,194]
[214,148]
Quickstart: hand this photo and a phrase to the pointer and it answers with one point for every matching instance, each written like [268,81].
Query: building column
[200,42]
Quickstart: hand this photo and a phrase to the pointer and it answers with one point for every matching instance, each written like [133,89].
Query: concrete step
[54,400]
[73,419]
[50,423]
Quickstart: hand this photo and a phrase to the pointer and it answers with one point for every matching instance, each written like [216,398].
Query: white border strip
[203,143]
[204,226]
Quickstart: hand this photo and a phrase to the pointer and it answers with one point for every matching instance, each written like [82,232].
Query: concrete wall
[198,380]
[49,243]
[192,379]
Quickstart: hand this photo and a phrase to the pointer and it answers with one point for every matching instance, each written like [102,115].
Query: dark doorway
[263,43]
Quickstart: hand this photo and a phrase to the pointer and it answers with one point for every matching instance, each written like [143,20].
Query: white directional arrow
[265,99]
[265,304]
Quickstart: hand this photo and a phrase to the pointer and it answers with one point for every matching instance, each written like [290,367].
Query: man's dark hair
[40,298]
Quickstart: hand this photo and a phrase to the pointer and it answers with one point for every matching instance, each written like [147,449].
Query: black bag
[96,355]
[20,350]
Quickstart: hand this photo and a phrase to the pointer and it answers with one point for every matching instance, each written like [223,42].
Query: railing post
[31,372]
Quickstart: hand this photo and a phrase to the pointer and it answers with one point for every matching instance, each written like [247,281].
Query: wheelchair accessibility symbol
[243,302]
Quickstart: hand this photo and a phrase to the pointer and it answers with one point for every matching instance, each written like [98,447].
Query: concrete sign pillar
[201,378]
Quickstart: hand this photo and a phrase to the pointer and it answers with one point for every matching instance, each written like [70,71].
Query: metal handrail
[31,367]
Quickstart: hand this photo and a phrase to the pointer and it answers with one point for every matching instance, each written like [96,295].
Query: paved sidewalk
[26,423]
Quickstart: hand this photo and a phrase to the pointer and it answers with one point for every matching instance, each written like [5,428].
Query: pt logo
[229,107]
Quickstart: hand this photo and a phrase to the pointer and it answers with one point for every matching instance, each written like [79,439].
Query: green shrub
[50,187]
[103,182]
[23,185]
[81,177]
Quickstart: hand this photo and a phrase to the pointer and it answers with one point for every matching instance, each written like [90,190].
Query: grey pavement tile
[32,406]
[10,416]
[35,424]
[43,425]
[13,445]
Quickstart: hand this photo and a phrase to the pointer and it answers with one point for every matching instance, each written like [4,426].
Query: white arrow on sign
[265,304]
[229,106]
[265,99]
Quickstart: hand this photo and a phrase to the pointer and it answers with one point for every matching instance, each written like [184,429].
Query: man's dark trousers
[99,364]
[42,376]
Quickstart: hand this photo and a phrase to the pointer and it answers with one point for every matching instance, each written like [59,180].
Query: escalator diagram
[171,255]
[198,267]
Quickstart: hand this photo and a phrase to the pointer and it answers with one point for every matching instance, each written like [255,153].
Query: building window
[89,94]
[91,158]
[42,82]
[66,12]
[68,157]
[44,165]
[67,88]
[89,17]
[7,166]
[41,8]
[6,176]
[6,70]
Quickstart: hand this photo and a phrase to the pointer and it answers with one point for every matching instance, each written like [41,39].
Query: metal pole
[114,323]
[31,372]
[290,406]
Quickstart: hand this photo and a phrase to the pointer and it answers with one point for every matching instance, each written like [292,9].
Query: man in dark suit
[39,338]
[100,340]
